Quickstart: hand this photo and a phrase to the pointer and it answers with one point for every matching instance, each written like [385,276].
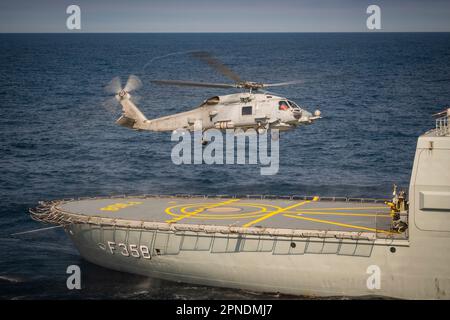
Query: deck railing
[442,128]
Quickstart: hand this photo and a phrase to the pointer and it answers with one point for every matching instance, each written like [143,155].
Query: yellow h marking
[271,214]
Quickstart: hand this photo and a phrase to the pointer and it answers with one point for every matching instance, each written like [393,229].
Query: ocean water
[376,92]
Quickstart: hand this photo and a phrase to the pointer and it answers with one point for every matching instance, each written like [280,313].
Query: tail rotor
[115,87]
[131,116]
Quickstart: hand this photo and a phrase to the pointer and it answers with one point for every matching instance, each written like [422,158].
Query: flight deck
[307,213]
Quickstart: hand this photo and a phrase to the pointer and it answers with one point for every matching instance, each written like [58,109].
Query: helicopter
[256,108]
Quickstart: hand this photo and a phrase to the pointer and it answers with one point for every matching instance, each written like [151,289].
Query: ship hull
[314,267]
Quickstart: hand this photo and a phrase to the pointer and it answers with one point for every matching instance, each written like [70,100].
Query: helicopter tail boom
[131,116]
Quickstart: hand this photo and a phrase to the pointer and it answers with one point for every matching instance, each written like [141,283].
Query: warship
[298,245]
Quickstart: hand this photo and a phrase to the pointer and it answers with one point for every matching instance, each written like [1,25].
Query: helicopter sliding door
[247,114]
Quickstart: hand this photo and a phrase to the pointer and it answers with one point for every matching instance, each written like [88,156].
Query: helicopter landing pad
[314,214]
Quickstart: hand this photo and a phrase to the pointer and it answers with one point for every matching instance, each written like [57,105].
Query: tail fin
[131,117]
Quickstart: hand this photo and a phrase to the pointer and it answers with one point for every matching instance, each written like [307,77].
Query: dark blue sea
[376,92]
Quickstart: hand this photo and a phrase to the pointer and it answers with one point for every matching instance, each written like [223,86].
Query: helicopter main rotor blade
[194,84]
[216,64]
[280,84]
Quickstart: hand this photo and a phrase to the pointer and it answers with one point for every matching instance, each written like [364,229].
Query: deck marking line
[339,224]
[340,214]
[271,214]
[213,205]
[350,208]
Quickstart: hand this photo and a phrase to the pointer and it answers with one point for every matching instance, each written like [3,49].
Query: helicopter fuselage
[235,111]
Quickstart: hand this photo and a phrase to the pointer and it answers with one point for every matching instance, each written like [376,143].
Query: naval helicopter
[255,108]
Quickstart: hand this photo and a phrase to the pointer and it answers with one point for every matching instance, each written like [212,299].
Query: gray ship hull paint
[316,267]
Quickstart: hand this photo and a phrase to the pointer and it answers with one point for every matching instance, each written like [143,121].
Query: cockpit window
[283,105]
[293,104]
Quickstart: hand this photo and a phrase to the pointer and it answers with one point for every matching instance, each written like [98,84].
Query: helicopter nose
[305,117]
[297,114]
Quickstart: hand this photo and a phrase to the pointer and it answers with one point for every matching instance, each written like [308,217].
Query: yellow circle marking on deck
[218,216]
[184,209]
[228,217]
[199,210]
[224,209]
[262,207]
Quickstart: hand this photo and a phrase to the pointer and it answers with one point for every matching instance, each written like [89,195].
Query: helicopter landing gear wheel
[262,128]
